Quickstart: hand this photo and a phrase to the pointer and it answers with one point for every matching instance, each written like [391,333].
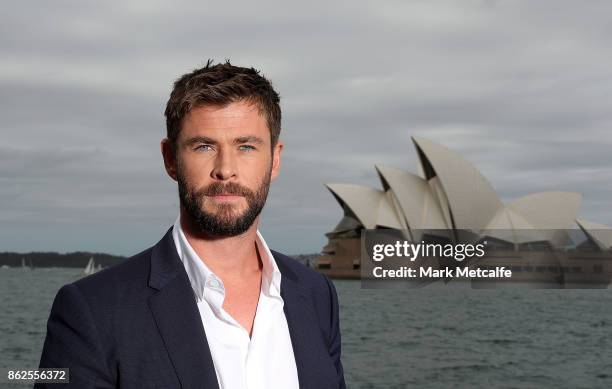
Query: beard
[223,222]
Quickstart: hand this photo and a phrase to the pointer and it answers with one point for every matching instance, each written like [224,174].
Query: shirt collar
[203,279]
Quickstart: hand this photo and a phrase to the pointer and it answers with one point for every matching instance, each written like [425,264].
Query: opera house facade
[449,196]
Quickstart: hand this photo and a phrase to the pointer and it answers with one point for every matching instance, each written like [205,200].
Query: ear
[168,152]
[276,159]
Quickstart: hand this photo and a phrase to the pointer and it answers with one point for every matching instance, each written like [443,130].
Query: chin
[235,212]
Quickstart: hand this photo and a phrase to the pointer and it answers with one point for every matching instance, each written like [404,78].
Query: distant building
[448,195]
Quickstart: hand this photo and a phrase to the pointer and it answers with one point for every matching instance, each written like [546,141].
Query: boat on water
[91,267]
[26,266]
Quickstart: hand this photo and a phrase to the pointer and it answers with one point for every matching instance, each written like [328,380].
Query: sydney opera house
[450,196]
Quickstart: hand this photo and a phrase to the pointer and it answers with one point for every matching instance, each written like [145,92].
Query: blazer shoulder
[316,284]
[131,274]
[294,268]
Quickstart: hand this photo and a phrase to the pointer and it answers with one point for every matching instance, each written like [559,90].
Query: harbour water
[435,337]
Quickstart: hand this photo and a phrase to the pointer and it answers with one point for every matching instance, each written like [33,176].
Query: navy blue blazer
[137,325]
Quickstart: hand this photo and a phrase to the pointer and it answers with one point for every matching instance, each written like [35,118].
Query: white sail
[23,263]
[90,268]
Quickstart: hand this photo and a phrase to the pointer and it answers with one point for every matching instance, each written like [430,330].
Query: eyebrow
[199,139]
[236,141]
[248,139]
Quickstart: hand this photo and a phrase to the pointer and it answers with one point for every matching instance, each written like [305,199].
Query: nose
[225,166]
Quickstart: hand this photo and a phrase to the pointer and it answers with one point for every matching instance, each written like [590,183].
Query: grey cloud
[518,88]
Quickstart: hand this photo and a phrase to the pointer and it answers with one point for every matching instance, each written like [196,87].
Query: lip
[226,197]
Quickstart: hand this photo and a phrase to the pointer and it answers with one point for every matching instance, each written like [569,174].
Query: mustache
[232,188]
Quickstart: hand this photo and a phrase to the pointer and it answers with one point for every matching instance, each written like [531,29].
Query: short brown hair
[220,85]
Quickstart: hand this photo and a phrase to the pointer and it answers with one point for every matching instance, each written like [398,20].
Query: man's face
[224,166]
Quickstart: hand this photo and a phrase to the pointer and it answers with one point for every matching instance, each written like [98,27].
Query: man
[209,306]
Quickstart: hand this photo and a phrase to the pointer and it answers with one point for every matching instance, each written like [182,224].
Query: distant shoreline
[79,259]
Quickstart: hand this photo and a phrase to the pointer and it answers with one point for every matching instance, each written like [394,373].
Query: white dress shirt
[263,361]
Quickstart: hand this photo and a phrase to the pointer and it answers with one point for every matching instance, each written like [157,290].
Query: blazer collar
[175,311]
[165,262]
[303,328]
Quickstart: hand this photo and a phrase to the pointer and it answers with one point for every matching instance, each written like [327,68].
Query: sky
[521,89]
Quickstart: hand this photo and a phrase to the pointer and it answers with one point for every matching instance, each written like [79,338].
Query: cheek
[257,166]
[258,174]
[193,170]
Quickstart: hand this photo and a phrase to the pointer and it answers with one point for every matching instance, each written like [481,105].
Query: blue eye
[204,147]
[247,147]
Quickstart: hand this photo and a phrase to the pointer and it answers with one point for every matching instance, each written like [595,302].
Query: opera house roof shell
[450,194]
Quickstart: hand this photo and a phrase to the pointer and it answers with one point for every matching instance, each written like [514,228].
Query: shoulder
[306,276]
[124,281]
[318,285]
[97,301]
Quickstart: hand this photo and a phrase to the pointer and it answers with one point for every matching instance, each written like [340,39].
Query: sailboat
[90,268]
[23,263]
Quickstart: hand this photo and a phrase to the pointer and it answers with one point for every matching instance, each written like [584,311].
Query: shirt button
[213,283]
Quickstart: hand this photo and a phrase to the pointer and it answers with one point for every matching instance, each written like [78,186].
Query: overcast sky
[521,89]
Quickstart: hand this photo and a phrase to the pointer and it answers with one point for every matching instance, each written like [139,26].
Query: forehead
[240,118]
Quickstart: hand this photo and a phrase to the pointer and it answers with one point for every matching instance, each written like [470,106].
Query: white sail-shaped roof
[598,233]
[370,205]
[471,199]
[387,212]
[548,210]
[453,196]
[510,226]
[413,194]
[551,213]
[440,197]
[507,219]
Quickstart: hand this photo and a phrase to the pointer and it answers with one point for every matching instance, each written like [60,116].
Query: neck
[233,257]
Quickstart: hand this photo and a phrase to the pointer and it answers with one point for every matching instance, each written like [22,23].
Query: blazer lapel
[178,319]
[302,329]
